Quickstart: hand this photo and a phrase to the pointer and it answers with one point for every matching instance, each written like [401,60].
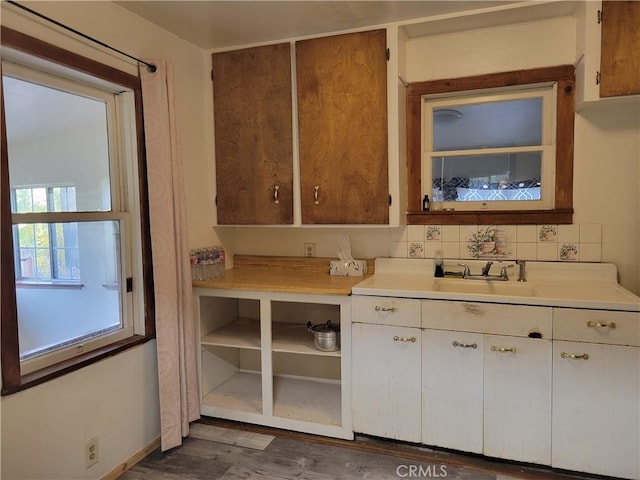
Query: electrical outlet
[309,249]
[91,452]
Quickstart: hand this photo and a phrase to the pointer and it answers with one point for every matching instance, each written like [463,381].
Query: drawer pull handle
[503,349]
[385,309]
[396,338]
[584,356]
[592,324]
[464,345]
[315,195]
[276,200]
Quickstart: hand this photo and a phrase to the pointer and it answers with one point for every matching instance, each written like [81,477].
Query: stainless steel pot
[326,336]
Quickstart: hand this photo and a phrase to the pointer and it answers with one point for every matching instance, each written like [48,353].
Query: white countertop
[557,284]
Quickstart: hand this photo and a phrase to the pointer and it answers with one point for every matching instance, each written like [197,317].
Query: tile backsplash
[564,243]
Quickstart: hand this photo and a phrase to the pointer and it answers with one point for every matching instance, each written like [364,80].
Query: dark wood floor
[228,450]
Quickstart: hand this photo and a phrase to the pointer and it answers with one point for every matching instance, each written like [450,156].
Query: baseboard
[135,458]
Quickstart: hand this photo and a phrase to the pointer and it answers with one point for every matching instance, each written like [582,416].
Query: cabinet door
[596,419]
[620,48]
[342,117]
[452,390]
[386,381]
[517,398]
[253,135]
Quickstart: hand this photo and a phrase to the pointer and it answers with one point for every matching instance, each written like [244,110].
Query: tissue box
[352,268]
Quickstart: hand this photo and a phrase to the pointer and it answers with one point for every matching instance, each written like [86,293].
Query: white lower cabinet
[386,376]
[596,392]
[452,390]
[258,363]
[517,398]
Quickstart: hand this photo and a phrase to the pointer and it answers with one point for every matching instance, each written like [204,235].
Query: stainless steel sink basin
[484,287]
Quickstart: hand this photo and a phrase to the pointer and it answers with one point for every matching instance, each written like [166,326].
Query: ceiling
[219,24]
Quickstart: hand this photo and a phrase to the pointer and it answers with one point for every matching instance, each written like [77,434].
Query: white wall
[115,399]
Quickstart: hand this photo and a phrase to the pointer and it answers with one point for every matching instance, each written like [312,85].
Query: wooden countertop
[284,274]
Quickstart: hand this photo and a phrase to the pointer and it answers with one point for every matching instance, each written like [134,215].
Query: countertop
[572,285]
[306,275]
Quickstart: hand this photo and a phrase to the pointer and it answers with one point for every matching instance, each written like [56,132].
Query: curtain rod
[150,66]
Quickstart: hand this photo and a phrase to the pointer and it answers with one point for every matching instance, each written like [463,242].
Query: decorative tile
[568,252]
[490,242]
[547,233]
[398,249]
[415,233]
[467,232]
[590,233]
[569,233]
[450,233]
[416,250]
[526,233]
[432,233]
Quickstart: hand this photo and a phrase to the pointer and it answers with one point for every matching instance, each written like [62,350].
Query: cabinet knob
[584,356]
[276,200]
[464,345]
[396,338]
[503,349]
[385,309]
[592,324]
[315,195]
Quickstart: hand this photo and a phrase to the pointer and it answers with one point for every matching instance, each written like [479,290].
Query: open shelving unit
[258,363]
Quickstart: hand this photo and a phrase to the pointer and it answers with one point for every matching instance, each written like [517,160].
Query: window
[45,252]
[74,211]
[492,149]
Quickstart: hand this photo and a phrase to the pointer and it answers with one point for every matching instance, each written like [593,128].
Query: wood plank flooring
[220,450]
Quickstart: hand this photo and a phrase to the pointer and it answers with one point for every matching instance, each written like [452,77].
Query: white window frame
[124,195]
[548,93]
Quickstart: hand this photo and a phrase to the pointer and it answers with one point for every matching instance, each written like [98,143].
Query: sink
[484,287]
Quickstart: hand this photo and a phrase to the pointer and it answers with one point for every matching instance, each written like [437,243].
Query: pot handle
[309,326]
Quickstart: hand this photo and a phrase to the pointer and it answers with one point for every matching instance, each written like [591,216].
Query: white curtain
[177,365]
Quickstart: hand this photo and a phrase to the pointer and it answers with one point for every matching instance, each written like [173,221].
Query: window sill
[71,365]
[52,285]
[511,217]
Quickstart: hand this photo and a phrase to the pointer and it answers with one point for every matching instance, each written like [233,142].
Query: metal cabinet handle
[396,338]
[503,349]
[464,345]
[276,200]
[592,324]
[584,356]
[315,195]
[385,309]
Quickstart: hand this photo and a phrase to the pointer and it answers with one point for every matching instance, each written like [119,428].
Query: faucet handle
[503,272]
[466,272]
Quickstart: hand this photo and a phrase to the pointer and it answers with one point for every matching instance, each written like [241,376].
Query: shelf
[243,333]
[313,401]
[295,338]
[243,391]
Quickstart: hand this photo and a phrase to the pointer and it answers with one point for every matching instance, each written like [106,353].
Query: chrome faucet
[522,273]
[486,268]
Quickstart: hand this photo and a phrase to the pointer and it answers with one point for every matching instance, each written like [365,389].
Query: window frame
[12,378]
[562,211]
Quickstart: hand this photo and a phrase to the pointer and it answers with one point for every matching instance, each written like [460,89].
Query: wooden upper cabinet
[253,135]
[342,119]
[620,48]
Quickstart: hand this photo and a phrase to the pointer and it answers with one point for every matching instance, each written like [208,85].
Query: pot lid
[324,327]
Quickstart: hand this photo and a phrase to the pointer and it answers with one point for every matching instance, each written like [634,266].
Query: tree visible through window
[46,251]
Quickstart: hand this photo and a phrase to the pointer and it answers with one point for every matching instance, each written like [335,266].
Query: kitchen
[606,174]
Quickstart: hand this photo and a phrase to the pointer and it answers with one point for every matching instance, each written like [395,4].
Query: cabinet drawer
[597,326]
[492,318]
[402,312]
